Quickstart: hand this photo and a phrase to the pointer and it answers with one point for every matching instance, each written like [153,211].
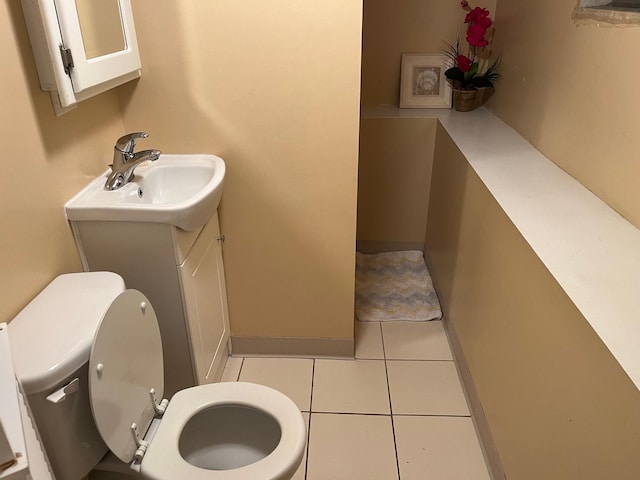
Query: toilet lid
[124,365]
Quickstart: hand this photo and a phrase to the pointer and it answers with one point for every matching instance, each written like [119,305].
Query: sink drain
[140,193]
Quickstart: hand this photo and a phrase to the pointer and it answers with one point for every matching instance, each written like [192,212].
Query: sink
[180,190]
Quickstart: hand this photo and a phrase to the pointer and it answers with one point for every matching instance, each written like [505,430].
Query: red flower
[484,22]
[476,30]
[466,72]
[464,63]
[479,21]
[476,14]
[477,41]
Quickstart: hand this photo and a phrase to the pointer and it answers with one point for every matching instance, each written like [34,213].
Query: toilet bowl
[222,431]
[246,432]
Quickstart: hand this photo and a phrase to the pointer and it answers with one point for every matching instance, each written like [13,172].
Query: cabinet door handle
[220,238]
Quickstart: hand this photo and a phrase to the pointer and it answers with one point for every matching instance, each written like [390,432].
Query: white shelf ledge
[591,250]
[389,111]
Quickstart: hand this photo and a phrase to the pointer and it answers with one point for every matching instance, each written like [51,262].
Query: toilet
[88,355]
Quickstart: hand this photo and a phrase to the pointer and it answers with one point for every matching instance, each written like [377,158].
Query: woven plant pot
[468,100]
[465,100]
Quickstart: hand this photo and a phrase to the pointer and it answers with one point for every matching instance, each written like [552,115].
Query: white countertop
[592,251]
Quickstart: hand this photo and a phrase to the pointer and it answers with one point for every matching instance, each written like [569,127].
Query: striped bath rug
[394,286]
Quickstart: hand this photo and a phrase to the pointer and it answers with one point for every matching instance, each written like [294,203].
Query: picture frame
[422,81]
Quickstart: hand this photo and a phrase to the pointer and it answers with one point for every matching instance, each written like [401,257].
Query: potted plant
[472,84]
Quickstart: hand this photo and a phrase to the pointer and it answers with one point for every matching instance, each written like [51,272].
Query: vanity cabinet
[81,47]
[182,274]
[205,302]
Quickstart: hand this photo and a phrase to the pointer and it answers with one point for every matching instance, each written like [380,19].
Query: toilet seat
[126,383]
[163,459]
[125,364]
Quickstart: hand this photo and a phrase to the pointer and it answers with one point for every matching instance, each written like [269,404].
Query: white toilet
[89,357]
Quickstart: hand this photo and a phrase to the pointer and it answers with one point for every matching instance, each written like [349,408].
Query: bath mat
[394,286]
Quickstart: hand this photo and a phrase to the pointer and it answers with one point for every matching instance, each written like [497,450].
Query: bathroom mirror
[101,27]
[82,47]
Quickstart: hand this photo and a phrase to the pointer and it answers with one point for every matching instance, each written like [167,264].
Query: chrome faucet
[125,160]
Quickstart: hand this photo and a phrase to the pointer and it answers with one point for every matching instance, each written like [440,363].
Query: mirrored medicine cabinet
[81,47]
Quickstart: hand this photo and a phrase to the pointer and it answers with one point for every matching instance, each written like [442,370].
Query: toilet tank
[51,340]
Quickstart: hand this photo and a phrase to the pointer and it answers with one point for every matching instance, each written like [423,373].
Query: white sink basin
[180,190]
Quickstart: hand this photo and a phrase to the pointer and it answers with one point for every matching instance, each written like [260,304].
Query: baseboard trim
[375,246]
[491,455]
[479,419]
[293,347]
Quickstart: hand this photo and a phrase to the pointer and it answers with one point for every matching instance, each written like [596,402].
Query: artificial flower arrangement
[466,72]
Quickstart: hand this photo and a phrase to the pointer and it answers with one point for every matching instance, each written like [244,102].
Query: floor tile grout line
[438,415]
[368,414]
[418,360]
[306,461]
[363,414]
[290,357]
[393,427]
[240,370]
[306,458]
[313,379]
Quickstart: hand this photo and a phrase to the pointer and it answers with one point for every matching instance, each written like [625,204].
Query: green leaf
[451,51]
[492,74]
[472,72]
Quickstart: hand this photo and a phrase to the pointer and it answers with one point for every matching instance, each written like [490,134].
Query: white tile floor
[397,411]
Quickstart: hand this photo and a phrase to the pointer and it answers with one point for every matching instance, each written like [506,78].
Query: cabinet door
[204,293]
[102,39]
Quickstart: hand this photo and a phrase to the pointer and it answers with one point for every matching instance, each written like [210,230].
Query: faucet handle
[127,143]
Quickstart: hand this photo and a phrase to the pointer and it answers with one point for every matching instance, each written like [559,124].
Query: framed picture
[422,81]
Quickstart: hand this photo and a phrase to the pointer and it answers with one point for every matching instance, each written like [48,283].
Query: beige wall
[273,88]
[393,28]
[568,90]
[396,154]
[393,181]
[558,404]
[252,83]
[44,161]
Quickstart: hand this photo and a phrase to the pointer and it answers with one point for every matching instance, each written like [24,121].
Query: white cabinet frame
[54,24]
